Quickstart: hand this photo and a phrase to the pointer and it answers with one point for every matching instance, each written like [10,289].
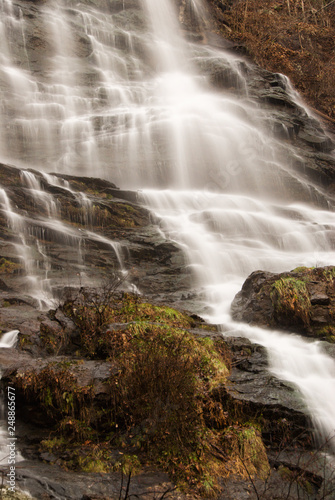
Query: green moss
[329,274]
[133,309]
[128,464]
[144,312]
[290,299]
[129,208]
[8,266]
[207,327]
[285,473]
[327,333]
[253,453]
[53,445]
[92,464]
[302,269]
[246,450]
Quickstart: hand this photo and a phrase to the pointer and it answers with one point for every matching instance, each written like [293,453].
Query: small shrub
[160,392]
[160,402]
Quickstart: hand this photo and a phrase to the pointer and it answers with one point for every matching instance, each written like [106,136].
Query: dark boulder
[302,300]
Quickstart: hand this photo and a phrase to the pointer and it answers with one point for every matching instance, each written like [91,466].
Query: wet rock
[87,183]
[86,372]
[291,122]
[48,457]
[319,298]
[318,142]
[50,327]
[277,96]
[45,482]
[4,287]
[123,232]
[222,76]
[252,384]
[131,196]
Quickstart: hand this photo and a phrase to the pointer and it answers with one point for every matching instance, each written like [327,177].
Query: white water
[228,233]
[133,103]
[7,341]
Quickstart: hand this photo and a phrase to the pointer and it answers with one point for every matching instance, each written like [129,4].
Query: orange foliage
[294,37]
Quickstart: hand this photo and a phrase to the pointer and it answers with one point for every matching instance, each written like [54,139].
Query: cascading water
[7,341]
[227,236]
[106,93]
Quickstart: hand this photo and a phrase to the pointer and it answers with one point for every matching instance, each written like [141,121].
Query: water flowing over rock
[80,226]
[134,141]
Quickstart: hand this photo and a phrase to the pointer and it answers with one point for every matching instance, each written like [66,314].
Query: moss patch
[246,451]
[291,301]
[8,266]
[327,333]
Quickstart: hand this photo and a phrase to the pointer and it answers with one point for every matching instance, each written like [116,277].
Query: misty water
[126,96]
[7,341]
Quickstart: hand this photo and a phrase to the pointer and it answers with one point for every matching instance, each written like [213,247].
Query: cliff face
[295,38]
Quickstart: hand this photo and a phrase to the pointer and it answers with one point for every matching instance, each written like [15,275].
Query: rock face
[302,300]
[251,384]
[50,224]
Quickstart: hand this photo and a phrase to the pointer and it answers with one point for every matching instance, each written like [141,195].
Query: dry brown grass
[294,37]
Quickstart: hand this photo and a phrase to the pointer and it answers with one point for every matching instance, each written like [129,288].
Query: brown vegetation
[158,406]
[293,37]
[160,400]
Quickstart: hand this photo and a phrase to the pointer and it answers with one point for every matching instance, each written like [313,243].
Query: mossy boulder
[302,300]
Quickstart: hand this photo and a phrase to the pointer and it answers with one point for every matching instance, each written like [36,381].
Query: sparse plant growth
[100,215]
[8,266]
[327,332]
[293,37]
[329,274]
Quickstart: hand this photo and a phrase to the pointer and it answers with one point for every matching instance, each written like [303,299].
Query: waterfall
[231,228]
[119,92]
[7,341]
